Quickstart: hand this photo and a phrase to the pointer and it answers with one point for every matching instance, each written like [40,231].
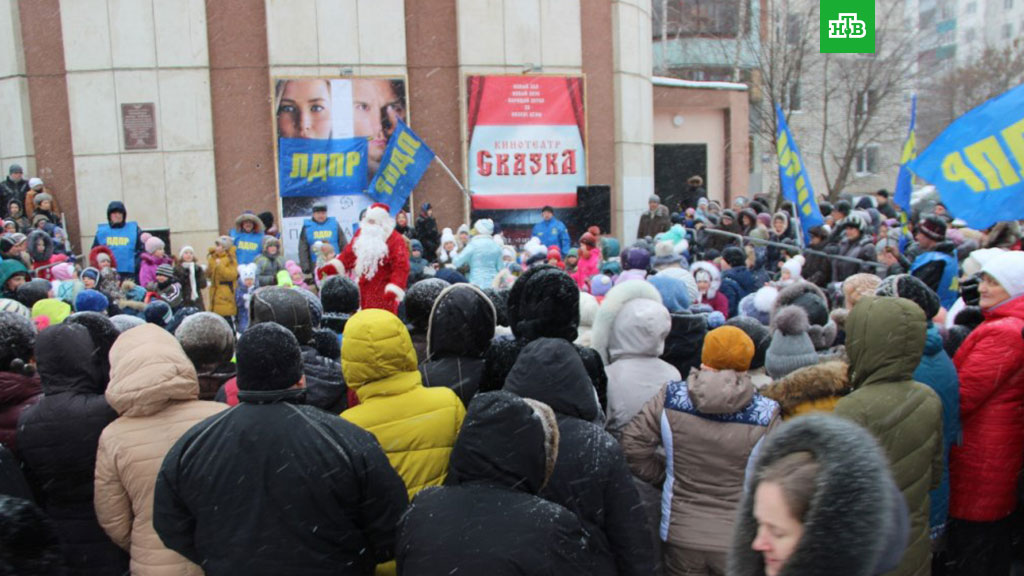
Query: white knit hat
[1008,270]
[33,182]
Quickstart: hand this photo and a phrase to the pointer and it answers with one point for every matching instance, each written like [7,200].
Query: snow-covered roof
[677,83]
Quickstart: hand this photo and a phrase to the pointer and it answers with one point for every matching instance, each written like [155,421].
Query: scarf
[191,267]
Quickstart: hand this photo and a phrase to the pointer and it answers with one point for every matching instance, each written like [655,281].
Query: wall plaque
[139,121]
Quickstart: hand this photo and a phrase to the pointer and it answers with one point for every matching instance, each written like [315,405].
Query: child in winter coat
[589,263]
[151,259]
[16,213]
[40,248]
[298,279]
[168,288]
[709,279]
[192,277]
[222,267]
[448,250]
[269,262]
[243,296]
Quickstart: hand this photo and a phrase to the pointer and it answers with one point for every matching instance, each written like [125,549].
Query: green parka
[884,341]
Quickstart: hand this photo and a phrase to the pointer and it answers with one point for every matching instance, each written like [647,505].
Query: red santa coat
[393,269]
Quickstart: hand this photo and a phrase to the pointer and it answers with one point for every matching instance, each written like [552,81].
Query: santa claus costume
[378,258]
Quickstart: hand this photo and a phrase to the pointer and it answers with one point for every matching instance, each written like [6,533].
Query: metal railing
[789,247]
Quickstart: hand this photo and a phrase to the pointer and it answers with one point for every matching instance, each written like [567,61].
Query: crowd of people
[712,398]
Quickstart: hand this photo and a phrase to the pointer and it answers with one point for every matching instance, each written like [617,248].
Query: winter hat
[31,292]
[415,246]
[815,306]
[419,300]
[484,226]
[34,182]
[91,273]
[758,333]
[589,239]
[339,295]
[124,322]
[153,244]
[102,257]
[791,347]
[795,266]
[91,301]
[101,330]
[687,278]
[573,253]
[823,329]
[636,258]
[674,294]
[508,252]
[759,304]
[554,253]
[166,270]
[158,312]
[913,289]
[207,339]
[734,256]
[245,272]
[1008,270]
[15,168]
[17,341]
[447,236]
[15,307]
[269,358]
[63,271]
[933,227]
[544,302]
[600,285]
[283,306]
[52,309]
[857,286]
[665,255]
[728,348]
[38,199]
[449,275]
[225,242]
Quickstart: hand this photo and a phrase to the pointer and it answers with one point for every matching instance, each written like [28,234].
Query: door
[674,164]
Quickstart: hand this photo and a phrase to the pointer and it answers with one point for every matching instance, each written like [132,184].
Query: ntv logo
[847,26]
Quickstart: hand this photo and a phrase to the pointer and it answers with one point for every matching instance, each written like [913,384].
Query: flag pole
[452,176]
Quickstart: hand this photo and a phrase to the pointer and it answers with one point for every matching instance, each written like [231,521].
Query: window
[794,29]
[866,101]
[867,160]
[1007,30]
[1008,4]
[972,7]
[969,36]
[687,18]
[791,99]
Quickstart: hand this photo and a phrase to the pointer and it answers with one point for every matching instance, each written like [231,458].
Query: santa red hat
[332,268]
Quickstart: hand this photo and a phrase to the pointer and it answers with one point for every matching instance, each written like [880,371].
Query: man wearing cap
[656,220]
[379,258]
[426,232]
[13,187]
[884,205]
[123,238]
[274,486]
[935,262]
[322,228]
[551,231]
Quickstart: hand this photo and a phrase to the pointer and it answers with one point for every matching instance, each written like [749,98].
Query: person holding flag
[794,180]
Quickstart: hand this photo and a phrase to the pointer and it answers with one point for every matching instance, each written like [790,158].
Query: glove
[398,293]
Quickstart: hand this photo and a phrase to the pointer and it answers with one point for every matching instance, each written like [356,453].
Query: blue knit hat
[91,301]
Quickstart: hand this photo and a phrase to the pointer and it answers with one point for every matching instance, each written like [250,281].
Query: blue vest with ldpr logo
[326,232]
[248,245]
[949,289]
[121,242]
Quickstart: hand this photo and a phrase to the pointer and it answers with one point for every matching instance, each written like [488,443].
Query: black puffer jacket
[591,475]
[487,519]
[461,328]
[543,303]
[685,341]
[278,488]
[57,442]
[325,385]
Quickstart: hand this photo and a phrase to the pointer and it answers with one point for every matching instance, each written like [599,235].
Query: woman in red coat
[984,468]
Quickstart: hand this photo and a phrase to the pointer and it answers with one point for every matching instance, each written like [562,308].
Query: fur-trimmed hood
[34,253]
[249,216]
[716,275]
[855,518]
[645,331]
[822,335]
[826,380]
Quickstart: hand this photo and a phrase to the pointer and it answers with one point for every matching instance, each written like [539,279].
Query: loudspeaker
[594,207]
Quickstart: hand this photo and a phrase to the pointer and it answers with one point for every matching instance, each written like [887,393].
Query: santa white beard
[371,248]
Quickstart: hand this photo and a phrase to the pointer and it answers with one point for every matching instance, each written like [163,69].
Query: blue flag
[796,184]
[308,167]
[977,163]
[904,180]
[405,161]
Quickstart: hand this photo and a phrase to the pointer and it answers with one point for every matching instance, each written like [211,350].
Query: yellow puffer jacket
[222,271]
[416,426]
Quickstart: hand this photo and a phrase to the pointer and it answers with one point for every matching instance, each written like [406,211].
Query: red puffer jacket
[983,469]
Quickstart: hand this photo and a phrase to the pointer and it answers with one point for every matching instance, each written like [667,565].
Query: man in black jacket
[276,487]
[487,518]
[14,187]
[591,475]
[426,232]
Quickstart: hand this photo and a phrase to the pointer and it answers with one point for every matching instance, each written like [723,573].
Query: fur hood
[822,335]
[47,252]
[614,302]
[853,517]
[810,383]
[249,216]
[716,275]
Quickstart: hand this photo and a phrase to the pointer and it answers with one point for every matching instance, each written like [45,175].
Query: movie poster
[527,137]
[331,134]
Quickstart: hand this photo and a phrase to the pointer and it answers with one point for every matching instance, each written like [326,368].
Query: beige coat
[154,388]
